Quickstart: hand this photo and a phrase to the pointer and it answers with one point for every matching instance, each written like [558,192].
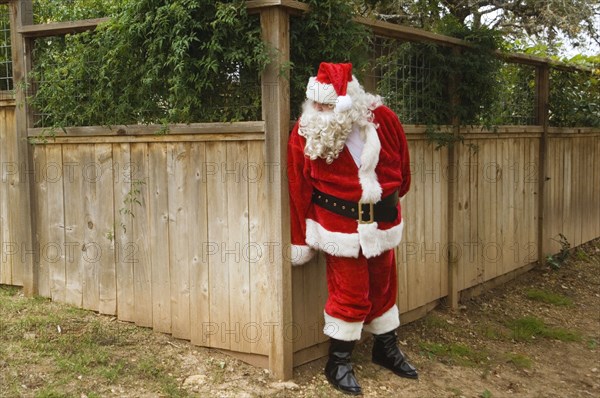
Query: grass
[520,361]
[549,297]
[70,352]
[455,354]
[529,328]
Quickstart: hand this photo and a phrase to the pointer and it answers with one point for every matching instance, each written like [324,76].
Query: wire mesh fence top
[45,11]
[408,81]
[6,79]
[516,98]
[574,98]
[109,76]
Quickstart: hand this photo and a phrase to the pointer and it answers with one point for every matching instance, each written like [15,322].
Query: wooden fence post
[19,194]
[542,87]
[453,288]
[276,114]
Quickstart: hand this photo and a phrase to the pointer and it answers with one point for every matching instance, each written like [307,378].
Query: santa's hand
[301,254]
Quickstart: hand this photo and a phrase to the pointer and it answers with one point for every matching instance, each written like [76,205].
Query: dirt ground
[536,336]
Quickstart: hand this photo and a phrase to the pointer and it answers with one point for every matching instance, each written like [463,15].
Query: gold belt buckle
[371,213]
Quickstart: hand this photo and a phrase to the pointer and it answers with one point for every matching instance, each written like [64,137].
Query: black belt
[365,213]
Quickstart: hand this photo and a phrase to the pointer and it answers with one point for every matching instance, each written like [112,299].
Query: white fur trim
[344,103]
[386,322]
[301,254]
[371,190]
[341,330]
[374,241]
[336,244]
[321,92]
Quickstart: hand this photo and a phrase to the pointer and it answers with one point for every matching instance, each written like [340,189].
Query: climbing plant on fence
[575,98]
[154,62]
[6,82]
[325,33]
[159,61]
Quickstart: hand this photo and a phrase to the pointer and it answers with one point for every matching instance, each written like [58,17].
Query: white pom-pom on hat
[330,85]
[343,104]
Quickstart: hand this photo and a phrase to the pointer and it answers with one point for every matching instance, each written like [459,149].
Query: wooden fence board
[179,202]
[502,208]
[416,271]
[493,233]
[298,307]
[3,197]
[430,244]
[55,251]
[237,242]
[73,155]
[9,240]
[534,206]
[258,177]
[143,243]
[568,227]
[125,259]
[218,235]
[198,246]
[41,192]
[159,220]
[473,273]
[595,184]
[516,215]
[509,181]
[559,195]
[587,165]
[90,250]
[576,191]
[104,226]
[315,296]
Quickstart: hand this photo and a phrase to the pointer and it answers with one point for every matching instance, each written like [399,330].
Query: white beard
[325,132]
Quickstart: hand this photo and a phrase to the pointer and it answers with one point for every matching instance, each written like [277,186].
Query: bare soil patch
[536,336]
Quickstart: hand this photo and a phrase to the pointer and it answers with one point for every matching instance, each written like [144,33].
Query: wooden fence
[188,232]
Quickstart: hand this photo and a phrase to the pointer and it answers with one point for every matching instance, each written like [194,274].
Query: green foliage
[156,61]
[515,97]
[420,80]
[520,361]
[179,61]
[45,11]
[549,297]
[476,70]
[557,260]
[325,34]
[486,394]
[455,353]
[528,328]
[5,50]
[575,97]
[414,81]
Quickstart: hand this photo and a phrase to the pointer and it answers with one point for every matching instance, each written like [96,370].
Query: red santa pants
[362,291]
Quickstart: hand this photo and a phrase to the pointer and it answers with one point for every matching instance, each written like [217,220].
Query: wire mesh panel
[6,79]
[411,81]
[66,94]
[45,11]
[515,99]
[574,98]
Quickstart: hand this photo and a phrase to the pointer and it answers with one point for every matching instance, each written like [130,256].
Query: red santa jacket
[385,168]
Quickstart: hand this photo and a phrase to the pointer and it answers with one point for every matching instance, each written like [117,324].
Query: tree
[547,20]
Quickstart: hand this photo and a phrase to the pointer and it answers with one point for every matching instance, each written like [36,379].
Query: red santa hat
[330,84]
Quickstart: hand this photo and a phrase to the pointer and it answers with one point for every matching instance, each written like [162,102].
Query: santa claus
[348,165]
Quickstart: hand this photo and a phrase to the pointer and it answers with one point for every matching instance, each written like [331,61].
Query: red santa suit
[361,269]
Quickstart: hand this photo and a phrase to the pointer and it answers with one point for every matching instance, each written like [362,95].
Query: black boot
[339,369]
[387,354]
